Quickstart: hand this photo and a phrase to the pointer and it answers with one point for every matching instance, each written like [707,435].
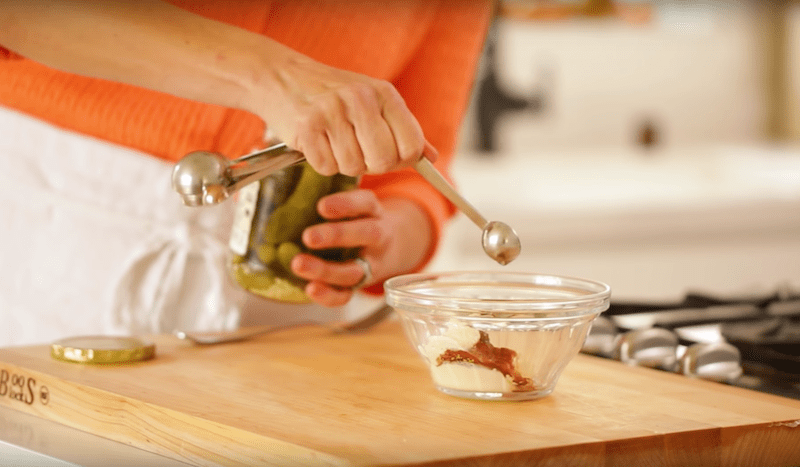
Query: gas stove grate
[751,341]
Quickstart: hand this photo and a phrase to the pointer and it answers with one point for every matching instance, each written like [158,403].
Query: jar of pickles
[269,220]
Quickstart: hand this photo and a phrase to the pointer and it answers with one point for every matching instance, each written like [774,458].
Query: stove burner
[745,341]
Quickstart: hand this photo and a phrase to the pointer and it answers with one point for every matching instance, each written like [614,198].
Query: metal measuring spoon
[204,178]
[499,240]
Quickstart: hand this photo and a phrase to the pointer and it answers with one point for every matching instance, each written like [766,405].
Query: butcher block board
[307,397]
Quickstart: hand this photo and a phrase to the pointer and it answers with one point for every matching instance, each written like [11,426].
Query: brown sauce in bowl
[485,354]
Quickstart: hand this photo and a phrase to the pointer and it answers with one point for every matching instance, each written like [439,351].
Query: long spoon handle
[429,172]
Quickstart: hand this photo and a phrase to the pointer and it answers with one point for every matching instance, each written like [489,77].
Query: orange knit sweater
[428,49]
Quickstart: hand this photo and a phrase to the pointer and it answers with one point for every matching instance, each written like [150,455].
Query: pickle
[261,280]
[283,290]
[266,253]
[287,222]
[343,183]
[287,251]
[239,274]
[280,225]
[248,278]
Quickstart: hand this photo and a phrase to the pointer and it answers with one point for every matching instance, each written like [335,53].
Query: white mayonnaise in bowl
[496,335]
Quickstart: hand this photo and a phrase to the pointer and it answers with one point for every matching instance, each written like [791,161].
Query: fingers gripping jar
[269,220]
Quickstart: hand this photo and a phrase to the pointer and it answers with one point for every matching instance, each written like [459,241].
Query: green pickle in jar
[271,215]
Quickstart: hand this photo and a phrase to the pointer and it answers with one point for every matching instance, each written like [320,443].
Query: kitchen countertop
[304,396]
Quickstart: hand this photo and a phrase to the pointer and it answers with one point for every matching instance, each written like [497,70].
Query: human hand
[343,122]
[394,236]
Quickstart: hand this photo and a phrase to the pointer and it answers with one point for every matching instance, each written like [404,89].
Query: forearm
[146,43]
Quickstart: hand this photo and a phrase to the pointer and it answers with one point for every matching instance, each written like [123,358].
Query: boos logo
[22,388]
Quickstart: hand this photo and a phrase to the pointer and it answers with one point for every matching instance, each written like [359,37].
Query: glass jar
[269,220]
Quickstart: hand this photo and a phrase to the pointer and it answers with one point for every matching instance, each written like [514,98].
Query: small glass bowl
[496,335]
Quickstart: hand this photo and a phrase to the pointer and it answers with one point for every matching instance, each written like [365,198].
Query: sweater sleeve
[6,54]
[436,85]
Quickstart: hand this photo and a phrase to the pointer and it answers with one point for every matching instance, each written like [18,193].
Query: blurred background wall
[654,145]
[692,72]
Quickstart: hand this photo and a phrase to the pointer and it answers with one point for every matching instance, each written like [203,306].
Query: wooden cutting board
[305,396]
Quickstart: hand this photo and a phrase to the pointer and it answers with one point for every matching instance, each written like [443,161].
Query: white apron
[97,242]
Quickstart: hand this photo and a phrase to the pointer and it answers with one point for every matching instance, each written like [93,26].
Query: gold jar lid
[102,349]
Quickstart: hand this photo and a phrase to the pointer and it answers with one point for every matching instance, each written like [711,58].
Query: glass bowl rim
[595,300]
